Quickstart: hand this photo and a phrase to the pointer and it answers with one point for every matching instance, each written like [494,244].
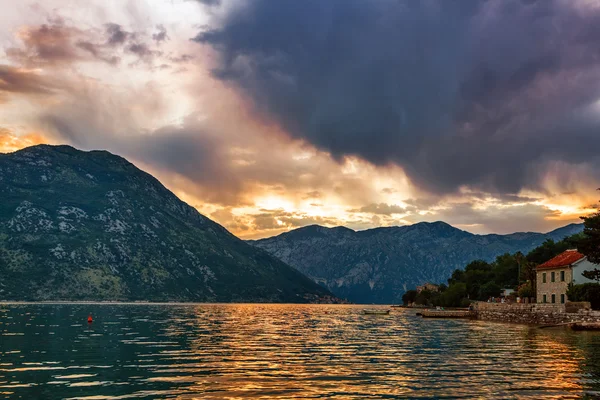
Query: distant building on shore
[428,286]
[555,275]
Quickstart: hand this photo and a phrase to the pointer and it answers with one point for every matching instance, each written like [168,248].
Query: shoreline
[173,303]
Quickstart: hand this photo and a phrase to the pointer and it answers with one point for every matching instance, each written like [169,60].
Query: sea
[283,351]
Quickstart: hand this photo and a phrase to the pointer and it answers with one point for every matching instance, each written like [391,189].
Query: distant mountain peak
[377,265]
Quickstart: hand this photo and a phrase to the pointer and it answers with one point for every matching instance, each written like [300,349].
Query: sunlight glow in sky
[267,135]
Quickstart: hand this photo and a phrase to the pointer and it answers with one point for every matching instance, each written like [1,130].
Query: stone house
[428,286]
[555,275]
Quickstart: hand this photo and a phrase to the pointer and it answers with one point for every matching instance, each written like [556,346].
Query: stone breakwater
[447,314]
[536,314]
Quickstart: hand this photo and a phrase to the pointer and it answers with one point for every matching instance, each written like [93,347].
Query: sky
[271,115]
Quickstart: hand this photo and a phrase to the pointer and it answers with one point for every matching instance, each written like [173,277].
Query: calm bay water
[282,351]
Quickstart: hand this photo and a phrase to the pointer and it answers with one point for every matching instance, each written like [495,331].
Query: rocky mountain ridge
[80,225]
[379,265]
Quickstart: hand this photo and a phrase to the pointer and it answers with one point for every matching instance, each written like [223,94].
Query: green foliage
[526,290]
[457,276]
[593,274]
[409,297]
[464,303]
[589,245]
[506,270]
[476,274]
[478,265]
[489,289]
[427,298]
[529,273]
[481,280]
[454,295]
[550,249]
[585,292]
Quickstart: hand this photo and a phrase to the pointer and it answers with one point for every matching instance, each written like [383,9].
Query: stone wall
[536,314]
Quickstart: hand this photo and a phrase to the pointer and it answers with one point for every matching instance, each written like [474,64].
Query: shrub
[465,303]
[409,297]
[453,296]
[526,290]
[489,289]
[427,298]
[585,292]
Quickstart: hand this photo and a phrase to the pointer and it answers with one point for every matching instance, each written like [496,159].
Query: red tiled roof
[564,259]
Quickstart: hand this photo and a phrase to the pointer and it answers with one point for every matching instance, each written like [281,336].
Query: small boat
[376,312]
[585,326]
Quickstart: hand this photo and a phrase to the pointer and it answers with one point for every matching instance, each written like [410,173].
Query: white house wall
[578,269]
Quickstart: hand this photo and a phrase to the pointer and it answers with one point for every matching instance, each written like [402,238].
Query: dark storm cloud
[476,93]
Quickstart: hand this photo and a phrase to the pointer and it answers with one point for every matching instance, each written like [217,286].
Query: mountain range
[80,225]
[379,265]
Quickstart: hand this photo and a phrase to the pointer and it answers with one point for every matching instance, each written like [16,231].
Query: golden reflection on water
[284,352]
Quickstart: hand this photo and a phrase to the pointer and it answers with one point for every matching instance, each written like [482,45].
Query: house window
[553,298]
[562,276]
[544,300]
[544,278]
[562,299]
[552,276]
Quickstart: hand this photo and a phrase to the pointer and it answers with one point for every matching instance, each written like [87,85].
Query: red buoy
[90,319]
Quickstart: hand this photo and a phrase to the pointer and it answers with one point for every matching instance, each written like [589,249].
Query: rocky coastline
[536,314]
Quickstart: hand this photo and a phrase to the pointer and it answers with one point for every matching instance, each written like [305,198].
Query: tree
[529,272]
[589,245]
[478,265]
[423,297]
[593,274]
[454,295]
[457,276]
[526,290]
[585,292]
[427,297]
[409,297]
[520,259]
[550,249]
[476,274]
[506,270]
[489,289]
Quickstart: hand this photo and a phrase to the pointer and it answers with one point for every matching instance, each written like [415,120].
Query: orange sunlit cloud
[10,142]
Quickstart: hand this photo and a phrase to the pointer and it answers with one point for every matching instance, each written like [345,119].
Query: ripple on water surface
[282,351]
